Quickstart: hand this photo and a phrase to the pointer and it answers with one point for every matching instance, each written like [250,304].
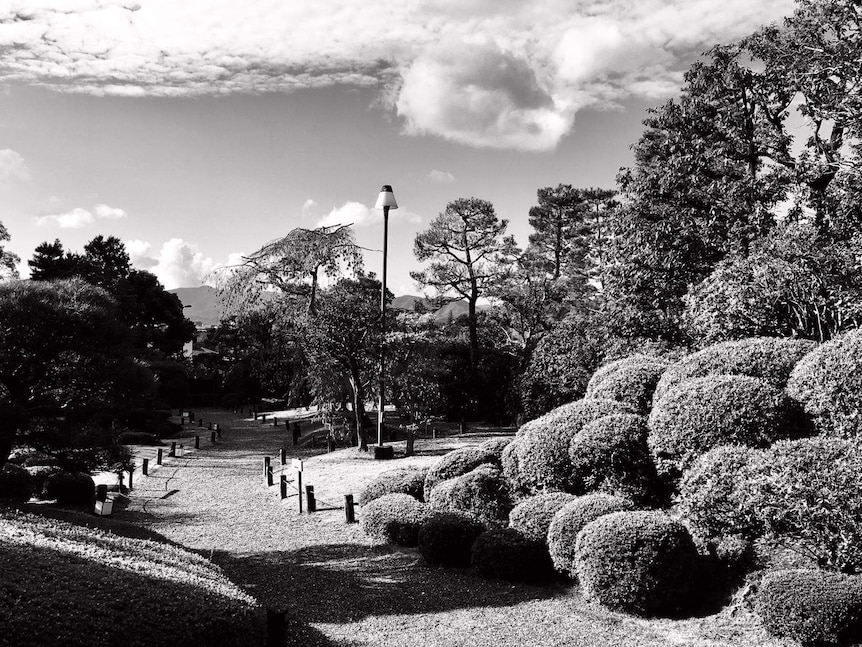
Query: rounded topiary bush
[447,537]
[641,562]
[456,463]
[482,493]
[715,495]
[70,488]
[811,606]
[496,446]
[828,383]
[15,483]
[543,450]
[512,470]
[702,413]
[768,358]
[533,516]
[394,518]
[403,480]
[631,380]
[138,438]
[504,553]
[38,477]
[611,455]
[571,519]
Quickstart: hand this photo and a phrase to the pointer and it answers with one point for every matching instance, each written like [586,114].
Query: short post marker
[349,512]
[312,502]
[282,484]
[145,468]
[159,456]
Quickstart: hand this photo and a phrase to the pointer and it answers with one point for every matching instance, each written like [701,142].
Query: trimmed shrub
[828,383]
[70,488]
[702,413]
[456,463]
[611,455]
[512,470]
[533,516]
[403,480]
[481,493]
[768,358]
[15,483]
[543,451]
[38,476]
[631,380]
[394,518]
[447,537]
[571,519]
[496,446]
[138,438]
[813,607]
[638,562]
[715,495]
[504,553]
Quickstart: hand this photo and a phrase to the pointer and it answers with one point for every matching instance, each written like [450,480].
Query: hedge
[394,518]
[639,562]
[512,470]
[496,446]
[504,553]
[828,383]
[404,480]
[768,358]
[15,483]
[70,489]
[456,463]
[533,516]
[482,493]
[631,380]
[447,538]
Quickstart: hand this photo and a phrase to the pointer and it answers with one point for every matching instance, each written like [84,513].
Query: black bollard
[173,451]
[209,426]
[269,477]
[102,492]
[282,483]
[266,467]
[212,436]
[255,415]
[200,422]
[349,512]
[218,430]
[145,468]
[197,442]
[309,495]
[282,455]
[263,418]
[159,456]
[131,476]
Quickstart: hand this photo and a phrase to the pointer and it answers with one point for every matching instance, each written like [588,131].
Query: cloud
[12,166]
[78,218]
[177,264]
[359,215]
[488,73]
[444,177]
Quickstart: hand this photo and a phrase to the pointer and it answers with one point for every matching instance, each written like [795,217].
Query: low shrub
[404,480]
[504,553]
[394,518]
[15,483]
[496,446]
[38,476]
[813,607]
[631,380]
[571,519]
[447,537]
[828,383]
[702,413]
[70,488]
[137,438]
[543,451]
[456,463]
[768,358]
[482,493]
[533,516]
[639,562]
[512,470]
[611,455]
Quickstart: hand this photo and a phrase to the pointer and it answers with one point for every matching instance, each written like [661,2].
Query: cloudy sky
[199,130]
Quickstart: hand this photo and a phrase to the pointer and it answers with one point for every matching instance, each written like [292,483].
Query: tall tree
[467,247]
[560,232]
[8,260]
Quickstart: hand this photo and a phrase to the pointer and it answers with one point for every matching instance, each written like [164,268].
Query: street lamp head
[386,198]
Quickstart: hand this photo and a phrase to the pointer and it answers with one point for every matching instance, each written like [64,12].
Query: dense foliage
[482,493]
[403,480]
[533,516]
[447,537]
[631,380]
[504,553]
[394,518]
[456,463]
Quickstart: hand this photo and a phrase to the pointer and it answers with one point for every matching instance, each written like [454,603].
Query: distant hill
[203,310]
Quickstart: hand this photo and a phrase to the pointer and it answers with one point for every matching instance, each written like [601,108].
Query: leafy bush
[482,493]
[813,607]
[15,483]
[447,537]
[768,358]
[404,480]
[38,477]
[611,455]
[512,470]
[715,496]
[639,562]
[532,516]
[504,553]
[571,519]
[456,463]
[70,488]
[496,446]
[631,380]
[543,451]
[394,518]
[702,413]
[138,438]
[828,383]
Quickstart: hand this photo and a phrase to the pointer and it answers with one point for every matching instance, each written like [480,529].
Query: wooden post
[299,489]
[212,436]
[200,422]
[282,454]
[159,456]
[263,418]
[274,627]
[349,512]
[269,477]
[312,502]
[266,465]
[197,442]
[209,426]
[275,421]
[255,414]
[145,468]
[282,483]
[131,476]
[218,430]
[173,451]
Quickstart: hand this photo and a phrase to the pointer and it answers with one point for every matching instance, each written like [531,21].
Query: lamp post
[385,201]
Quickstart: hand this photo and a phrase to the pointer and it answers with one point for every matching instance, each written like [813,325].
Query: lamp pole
[385,201]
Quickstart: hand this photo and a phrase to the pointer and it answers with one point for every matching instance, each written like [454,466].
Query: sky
[197,131]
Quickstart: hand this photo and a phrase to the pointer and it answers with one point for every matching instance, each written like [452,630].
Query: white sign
[296,463]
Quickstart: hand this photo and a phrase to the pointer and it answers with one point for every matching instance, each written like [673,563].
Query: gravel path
[339,588]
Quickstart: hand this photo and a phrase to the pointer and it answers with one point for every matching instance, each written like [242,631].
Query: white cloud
[177,264]
[111,213]
[78,217]
[443,177]
[481,72]
[12,166]
[359,215]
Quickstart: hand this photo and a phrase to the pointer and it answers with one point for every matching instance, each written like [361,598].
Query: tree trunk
[359,411]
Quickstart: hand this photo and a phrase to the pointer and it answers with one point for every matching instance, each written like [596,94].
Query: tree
[8,260]
[65,369]
[466,246]
[560,236]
